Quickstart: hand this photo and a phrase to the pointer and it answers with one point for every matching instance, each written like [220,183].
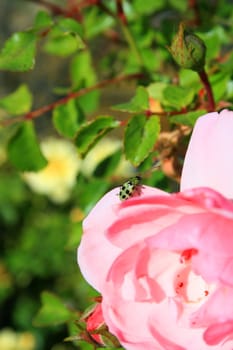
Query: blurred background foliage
[77,78]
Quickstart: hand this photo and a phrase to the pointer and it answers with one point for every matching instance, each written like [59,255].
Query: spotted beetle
[129,187]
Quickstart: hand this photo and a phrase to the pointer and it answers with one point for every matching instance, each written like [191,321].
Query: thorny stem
[132,44]
[40,111]
[193,4]
[121,18]
[127,33]
[205,81]
[120,12]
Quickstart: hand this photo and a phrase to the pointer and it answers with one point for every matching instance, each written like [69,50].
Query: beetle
[129,187]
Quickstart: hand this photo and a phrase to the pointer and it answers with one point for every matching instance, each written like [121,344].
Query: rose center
[192,288]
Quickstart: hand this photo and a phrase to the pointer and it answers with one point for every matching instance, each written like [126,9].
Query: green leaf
[156,90]
[214,39]
[70,25]
[96,22]
[67,118]
[179,5]
[149,7]
[24,151]
[187,118]
[189,78]
[139,103]
[219,83]
[82,74]
[13,197]
[18,53]
[18,102]
[42,21]
[91,132]
[52,312]
[64,38]
[82,71]
[177,97]
[140,137]
[229,93]
[63,45]
[75,234]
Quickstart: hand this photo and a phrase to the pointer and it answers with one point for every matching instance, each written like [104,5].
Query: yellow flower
[10,340]
[58,178]
[26,341]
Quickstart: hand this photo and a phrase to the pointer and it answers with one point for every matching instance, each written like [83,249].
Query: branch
[205,81]
[40,111]
[120,12]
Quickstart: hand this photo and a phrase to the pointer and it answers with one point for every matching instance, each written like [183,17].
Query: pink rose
[163,263]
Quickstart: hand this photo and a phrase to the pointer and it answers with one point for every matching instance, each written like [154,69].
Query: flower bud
[96,328]
[188,50]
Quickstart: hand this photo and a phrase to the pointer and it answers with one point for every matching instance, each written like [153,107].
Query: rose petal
[218,332]
[96,252]
[145,216]
[217,308]
[93,261]
[146,324]
[207,161]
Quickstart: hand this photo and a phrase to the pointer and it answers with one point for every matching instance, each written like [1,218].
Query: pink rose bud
[96,328]
[94,321]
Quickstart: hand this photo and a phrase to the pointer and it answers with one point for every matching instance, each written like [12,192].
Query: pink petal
[206,198]
[128,322]
[210,235]
[145,217]
[141,322]
[130,273]
[208,159]
[165,342]
[218,332]
[218,308]
[95,252]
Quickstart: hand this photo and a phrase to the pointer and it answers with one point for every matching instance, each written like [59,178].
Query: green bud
[188,50]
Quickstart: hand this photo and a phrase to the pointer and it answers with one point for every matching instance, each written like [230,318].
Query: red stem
[193,4]
[205,81]
[38,112]
[120,12]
